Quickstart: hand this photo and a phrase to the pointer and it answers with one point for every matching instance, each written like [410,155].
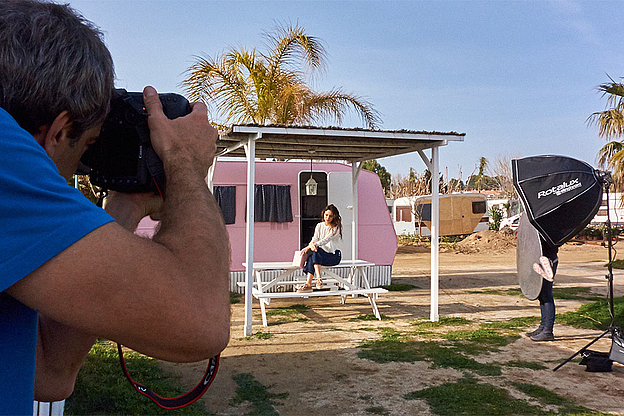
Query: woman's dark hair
[336,218]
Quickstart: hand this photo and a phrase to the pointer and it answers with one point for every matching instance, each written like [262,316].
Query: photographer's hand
[129,209]
[188,141]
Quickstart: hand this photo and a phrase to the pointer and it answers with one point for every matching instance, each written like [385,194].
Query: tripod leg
[581,350]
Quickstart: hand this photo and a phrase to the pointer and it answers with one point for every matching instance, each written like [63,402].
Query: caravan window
[404,214]
[479,207]
[272,203]
[226,198]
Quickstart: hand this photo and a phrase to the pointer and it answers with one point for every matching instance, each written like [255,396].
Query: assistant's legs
[547,303]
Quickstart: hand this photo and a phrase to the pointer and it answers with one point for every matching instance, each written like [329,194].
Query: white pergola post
[355,172]
[433,165]
[435,231]
[250,151]
[210,176]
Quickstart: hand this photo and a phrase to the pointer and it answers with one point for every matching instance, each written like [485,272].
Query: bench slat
[281,295]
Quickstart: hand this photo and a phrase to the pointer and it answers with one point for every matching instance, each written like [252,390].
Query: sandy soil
[316,361]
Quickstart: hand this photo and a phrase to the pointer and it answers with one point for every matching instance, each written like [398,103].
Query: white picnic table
[333,284]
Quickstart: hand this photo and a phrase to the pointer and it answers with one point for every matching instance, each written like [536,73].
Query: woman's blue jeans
[323,258]
[547,301]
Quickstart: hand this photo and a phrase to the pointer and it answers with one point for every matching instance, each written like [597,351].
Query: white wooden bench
[342,287]
[48,408]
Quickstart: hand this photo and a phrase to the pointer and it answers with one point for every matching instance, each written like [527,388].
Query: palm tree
[611,126]
[247,86]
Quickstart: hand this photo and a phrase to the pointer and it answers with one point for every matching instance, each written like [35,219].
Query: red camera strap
[174,402]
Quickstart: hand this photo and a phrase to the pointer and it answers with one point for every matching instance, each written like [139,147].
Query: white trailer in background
[616,210]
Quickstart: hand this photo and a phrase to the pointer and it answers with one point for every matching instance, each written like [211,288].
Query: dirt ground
[315,362]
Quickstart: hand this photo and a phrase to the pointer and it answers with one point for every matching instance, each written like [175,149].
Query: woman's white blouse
[327,237]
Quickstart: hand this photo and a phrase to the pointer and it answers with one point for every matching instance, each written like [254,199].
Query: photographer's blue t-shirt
[40,216]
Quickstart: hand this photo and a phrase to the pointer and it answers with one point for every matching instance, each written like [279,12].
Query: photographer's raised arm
[167,298]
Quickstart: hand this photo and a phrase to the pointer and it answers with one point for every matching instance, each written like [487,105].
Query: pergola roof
[332,143]
[327,143]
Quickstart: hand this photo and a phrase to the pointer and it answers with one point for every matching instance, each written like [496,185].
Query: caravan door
[339,193]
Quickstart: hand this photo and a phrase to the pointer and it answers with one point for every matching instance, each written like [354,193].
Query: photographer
[69,271]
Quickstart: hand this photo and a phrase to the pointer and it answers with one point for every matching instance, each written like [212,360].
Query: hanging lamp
[311,185]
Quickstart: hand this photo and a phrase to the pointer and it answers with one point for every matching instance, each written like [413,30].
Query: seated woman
[324,247]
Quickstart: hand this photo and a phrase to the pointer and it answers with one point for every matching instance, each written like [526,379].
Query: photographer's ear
[50,136]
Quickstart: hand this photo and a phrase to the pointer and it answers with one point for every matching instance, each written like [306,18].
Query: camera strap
[174,402]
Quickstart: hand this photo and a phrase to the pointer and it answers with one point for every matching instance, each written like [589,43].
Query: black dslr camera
[123,159]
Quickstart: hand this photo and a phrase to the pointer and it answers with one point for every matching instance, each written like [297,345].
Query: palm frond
[220,84]
[291,46]
[606,153]
[616,166]
[610,123]
[335,103]
[614,91]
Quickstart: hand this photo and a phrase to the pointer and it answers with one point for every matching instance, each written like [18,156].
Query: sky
[518,77]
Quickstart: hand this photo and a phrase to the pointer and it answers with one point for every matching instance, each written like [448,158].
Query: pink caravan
[277,240]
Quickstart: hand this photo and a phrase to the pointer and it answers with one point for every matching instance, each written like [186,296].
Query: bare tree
[503,175]
[411,187]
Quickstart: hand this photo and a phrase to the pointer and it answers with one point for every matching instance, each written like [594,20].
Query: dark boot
[537,331]
[545,335]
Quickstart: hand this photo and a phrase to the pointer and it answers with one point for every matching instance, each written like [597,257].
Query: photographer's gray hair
[52,59]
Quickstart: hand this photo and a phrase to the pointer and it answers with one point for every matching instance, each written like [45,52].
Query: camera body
[123,159]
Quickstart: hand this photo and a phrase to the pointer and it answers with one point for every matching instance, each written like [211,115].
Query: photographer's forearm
[192,225]
[192,228]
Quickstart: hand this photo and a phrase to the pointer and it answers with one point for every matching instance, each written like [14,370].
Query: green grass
[400,287]
[479,341]
[288,310]
[617,264]
[377,410]
[506,292]
[370,317]
[251,390]
[594,315]
[469,397]
[532,365]
[453,357]
[235,297]
[481,336]
[395,346]
[513,324]
[101,387]
[285,313]
[257,335]
[575,293]
[389,350]
[547,397]
[444,321]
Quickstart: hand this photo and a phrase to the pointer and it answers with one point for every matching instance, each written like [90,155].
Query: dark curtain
[226,198]
[272,203]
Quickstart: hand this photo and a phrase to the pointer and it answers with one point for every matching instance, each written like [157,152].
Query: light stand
[607,182]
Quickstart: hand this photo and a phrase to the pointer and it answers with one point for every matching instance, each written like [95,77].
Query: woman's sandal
[319,283]
[305,289]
